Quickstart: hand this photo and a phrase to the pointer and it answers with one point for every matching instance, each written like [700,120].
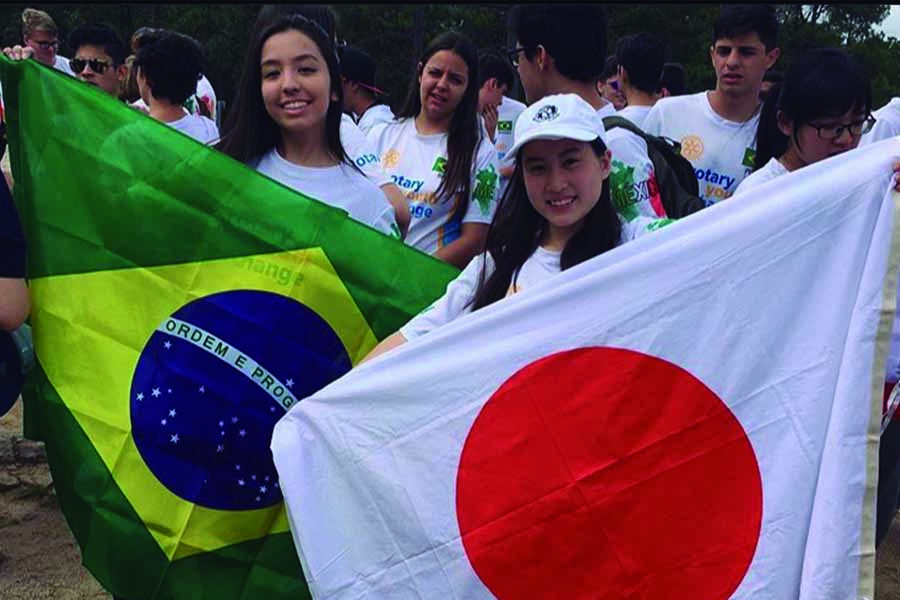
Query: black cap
[360,67]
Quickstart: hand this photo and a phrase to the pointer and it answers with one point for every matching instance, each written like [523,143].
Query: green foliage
[396,33]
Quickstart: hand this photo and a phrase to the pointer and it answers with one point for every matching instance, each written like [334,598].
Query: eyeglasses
[513,54]
[98,65]
[45,45]
[833,132]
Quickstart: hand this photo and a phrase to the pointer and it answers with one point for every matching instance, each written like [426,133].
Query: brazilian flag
[181,304]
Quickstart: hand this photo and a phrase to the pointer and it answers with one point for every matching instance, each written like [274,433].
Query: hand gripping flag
[693,415]
[181,303]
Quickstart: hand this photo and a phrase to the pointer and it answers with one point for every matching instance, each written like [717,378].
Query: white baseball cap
[557,117]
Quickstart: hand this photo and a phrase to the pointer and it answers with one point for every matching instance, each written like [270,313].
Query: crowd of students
[511,194]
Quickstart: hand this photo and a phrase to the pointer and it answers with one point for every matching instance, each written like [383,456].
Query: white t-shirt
[635,114]
[62,64]
[768,172]
[632,177]
[380,113]
[887,123]
[205,94]
[607,110]
[721,151]
[361,151]
[541,265]
[416,164]
[341,186]
[200,128]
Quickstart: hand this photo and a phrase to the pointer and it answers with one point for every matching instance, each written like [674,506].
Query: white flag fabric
[693,415]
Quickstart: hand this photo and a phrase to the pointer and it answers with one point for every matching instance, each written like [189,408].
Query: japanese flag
[693,415]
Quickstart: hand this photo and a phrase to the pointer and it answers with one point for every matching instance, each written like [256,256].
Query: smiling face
[563,179]
[442,84]
[809,147]
[740,64]
[296,86]
[45,45]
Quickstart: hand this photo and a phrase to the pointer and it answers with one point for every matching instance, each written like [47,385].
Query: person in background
[673,81]
[771,78]
[40,33]
[286,121]
[436,153]
[717,128]
[609,85]
[167,67]
[99,58]
[14,302]
[820,109]
[201,102]
[361,96]
[887,123]
[496,77]
[641,58]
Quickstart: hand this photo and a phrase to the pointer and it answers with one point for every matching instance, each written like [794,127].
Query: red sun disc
[607,473]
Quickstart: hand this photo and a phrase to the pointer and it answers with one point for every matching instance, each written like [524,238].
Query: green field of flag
[181,303]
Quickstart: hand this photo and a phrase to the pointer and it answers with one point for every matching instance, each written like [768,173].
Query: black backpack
[678,186]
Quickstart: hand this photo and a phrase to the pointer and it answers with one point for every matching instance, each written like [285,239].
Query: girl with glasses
[821,108]
[435,152]
[286,121]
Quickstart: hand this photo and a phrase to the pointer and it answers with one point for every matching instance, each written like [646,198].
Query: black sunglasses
[97,65]
[513,55]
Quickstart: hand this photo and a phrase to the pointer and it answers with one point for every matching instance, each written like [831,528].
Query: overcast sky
[891,25]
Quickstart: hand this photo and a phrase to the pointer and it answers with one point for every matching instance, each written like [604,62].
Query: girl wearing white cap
[555,214]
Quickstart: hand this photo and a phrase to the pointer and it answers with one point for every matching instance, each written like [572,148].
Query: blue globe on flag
[211,383]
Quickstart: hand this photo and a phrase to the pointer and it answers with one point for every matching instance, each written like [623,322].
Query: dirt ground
[39,559]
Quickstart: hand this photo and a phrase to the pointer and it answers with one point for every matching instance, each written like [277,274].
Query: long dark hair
[517,229]
[249,131]
[464,135]
[822,83]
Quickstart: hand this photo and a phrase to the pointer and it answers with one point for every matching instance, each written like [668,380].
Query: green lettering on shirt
[621,184]
[440,165]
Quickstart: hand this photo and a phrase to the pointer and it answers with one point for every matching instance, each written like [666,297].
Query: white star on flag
[202,389]
[162,422]
[289,382]
[241,482]
[167,345]
[172,413]
[220,448]
[155,393]
[174,439]
[242,432]
[140,396]
[262,489]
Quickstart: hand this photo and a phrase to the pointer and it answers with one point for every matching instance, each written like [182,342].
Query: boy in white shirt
[641,58]
[360,94]
[717,129]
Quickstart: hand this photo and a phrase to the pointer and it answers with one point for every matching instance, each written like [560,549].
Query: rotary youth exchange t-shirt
[416,163]
[720,150]
[540,266]
[340,186]
[635,114]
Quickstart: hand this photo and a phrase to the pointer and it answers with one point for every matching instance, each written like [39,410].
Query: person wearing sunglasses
[40,33]
[99,57]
